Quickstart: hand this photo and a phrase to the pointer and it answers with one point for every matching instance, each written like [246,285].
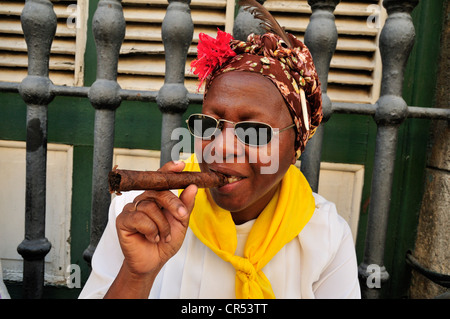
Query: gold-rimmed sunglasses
[250,133]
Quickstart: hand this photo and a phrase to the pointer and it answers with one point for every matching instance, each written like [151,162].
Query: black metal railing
[105,94]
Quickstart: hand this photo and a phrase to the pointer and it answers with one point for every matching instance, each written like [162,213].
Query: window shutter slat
[67,51]
[142,52]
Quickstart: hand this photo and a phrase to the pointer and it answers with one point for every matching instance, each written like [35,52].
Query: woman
[263,235]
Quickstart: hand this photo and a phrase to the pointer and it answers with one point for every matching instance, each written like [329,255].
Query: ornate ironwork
[177,32]
[39,27]
[109,31]
[396,42]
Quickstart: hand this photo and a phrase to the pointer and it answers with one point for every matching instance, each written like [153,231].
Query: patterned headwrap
[291,70]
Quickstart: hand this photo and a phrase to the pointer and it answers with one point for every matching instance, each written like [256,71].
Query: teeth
[233,179]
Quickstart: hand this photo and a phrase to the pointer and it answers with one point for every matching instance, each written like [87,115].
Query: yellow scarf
[281,221]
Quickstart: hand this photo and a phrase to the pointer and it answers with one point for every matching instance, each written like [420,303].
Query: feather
[267,20]
[304,109]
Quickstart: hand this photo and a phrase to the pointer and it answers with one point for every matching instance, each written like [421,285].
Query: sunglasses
[248,132]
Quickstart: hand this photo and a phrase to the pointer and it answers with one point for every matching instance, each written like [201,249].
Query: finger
[172,166]
[165,199]
[155,213]
[188,199]
[137,222]
[145,196]
[172,205]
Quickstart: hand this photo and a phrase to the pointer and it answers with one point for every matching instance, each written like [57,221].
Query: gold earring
[297,154]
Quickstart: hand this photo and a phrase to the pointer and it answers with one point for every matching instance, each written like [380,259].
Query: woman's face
[245,96]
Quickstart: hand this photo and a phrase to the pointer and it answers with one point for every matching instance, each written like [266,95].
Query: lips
[232,176]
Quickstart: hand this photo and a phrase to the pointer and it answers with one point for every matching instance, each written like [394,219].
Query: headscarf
[291,70]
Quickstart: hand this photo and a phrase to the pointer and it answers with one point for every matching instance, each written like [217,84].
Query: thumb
[172,166]
[188,198]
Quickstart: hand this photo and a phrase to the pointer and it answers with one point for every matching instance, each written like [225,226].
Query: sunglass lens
[253,133]
[202,126]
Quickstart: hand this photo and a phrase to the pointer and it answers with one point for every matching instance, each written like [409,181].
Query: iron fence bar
[177,33]
[430,113]
[108,26]
[321,38]
[39,26]
[75,91]
[353,108]
[9,87]
[412,111]
[396,42]
[142,96]
[195,98]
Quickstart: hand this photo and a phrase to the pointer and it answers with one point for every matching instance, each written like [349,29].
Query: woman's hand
[152,228]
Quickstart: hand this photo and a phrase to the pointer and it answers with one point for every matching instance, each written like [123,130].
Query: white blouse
[319,263]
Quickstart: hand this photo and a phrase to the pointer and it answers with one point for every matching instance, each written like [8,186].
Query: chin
[229,203]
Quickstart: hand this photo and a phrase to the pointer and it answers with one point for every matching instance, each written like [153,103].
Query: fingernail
[177,162]
[182,211]
[168,238]
[157,239]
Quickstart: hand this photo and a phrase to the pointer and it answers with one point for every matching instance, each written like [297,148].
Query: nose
[225,145]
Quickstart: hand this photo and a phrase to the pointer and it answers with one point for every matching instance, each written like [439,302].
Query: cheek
[198,148]
[268,157]
[277,156]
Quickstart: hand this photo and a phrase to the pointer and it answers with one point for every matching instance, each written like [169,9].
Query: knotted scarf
[280,222]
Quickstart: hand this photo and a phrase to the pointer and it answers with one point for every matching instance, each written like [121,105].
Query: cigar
[121,180]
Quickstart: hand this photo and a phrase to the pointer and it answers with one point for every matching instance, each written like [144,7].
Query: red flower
[211,53]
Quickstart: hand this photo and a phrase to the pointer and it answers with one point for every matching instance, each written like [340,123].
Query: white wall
[12,208]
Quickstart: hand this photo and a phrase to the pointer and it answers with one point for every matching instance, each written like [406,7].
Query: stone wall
[433,235]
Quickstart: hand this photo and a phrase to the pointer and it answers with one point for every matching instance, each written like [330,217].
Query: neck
[254,210]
